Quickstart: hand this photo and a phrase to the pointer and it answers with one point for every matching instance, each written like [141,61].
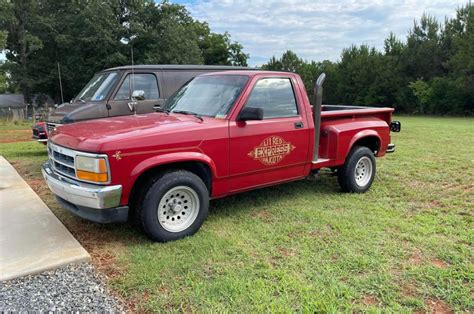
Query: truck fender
[362,134]
[170,159]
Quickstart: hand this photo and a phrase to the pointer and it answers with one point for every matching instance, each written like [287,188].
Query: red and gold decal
[271,150]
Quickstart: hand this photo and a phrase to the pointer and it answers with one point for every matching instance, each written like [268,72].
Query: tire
[358,172]
[174,206]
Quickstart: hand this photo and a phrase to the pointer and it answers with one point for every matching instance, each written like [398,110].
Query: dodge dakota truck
[221,133]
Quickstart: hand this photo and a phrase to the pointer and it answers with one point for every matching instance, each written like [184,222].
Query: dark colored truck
[123,91]
[220,134]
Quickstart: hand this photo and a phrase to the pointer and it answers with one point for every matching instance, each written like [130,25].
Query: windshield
[209,96]
[98,87]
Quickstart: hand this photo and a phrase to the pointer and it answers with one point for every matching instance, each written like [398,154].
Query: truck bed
[329,112]
[341,124]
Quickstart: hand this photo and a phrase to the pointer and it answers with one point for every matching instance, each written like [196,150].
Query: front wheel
[175,206]
[358,172]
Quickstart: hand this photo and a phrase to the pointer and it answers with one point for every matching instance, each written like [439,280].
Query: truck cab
[220,134]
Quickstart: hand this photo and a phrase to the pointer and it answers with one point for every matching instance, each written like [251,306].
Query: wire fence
[26,113]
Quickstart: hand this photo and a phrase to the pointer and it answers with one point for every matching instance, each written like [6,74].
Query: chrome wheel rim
[363,171]
[178,209]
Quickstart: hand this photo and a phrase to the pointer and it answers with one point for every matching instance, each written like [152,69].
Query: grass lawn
[405,245]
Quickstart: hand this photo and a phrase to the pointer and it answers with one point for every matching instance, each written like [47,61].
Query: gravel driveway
[69,288]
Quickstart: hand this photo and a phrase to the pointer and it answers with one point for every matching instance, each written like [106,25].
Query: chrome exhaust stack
[318,103]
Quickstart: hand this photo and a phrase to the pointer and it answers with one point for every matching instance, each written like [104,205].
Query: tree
[19,18]
[423,56]
[84,37]
[461,63]
[3,40]
[288,62]
[423,93]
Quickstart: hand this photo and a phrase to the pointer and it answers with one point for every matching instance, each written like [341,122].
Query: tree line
[84,37]
[431,72]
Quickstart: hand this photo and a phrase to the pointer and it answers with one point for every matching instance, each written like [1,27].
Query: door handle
[298,125]
[157,106]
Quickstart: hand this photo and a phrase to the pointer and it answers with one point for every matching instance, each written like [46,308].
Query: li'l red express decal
[271,150]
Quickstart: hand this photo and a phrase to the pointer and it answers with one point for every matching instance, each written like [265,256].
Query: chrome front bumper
[81,194]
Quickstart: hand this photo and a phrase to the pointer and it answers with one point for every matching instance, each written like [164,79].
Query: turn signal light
[92,176]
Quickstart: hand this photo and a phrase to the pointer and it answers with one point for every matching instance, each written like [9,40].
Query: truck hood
[93,135]
[69,112]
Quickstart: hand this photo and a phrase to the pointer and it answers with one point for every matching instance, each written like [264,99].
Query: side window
[140,81]
[275,96]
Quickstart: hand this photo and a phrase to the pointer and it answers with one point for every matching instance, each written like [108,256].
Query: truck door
[147,82]
[273,149]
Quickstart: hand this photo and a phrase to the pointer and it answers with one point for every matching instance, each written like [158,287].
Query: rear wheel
[174,206]
[358,173]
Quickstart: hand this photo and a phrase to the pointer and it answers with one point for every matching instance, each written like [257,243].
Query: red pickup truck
[220,134]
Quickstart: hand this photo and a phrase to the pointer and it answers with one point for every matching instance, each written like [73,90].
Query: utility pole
[60,84]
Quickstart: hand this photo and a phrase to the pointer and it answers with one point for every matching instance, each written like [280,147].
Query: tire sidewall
[155,193]
[356,155]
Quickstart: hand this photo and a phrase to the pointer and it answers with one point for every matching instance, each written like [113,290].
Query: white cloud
[315,30]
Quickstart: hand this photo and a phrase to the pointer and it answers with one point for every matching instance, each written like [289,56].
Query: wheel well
[372,142]
[198,168]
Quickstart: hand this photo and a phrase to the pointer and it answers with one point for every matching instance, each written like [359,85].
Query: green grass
[6,124]
[305,246]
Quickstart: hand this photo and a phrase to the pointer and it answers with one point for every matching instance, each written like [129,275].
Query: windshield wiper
[197,115]
[82,100]
[159,109]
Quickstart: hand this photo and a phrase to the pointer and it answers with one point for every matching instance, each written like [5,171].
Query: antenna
[60,84]
[133,71]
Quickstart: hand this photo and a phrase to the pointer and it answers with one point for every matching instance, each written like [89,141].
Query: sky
[313,29]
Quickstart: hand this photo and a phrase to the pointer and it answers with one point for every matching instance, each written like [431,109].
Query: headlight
[92,169]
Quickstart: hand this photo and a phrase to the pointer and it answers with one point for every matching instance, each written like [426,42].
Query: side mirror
[250,113]
[138,95]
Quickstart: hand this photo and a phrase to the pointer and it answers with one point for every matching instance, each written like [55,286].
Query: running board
[320,161]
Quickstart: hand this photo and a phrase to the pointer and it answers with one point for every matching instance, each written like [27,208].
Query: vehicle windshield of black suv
[98,87]
[210,96]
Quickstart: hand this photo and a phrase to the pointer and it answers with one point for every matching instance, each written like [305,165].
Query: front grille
[50,126]
[62,160]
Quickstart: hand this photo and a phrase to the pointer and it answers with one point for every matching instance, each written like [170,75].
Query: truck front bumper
[95,203]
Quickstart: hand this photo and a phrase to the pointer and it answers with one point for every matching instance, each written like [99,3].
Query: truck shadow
[94,235]
[324,184]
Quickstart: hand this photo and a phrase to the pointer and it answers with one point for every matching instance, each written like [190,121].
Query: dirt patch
[15,140]
[408,291]
[325,231]
[264,215]
[436,204]
[14,136]
[17,131]
[439,263]
[416,258]
[287,252]
[369,300]
[438,306]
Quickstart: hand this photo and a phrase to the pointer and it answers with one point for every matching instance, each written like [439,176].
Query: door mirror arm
[136,96]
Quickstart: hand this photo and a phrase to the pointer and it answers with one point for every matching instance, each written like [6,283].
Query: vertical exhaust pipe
[317,106]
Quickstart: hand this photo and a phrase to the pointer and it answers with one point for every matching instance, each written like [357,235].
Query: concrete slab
[32,239]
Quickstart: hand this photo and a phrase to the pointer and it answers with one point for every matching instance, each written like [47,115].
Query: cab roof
[251,73]
[183,67]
